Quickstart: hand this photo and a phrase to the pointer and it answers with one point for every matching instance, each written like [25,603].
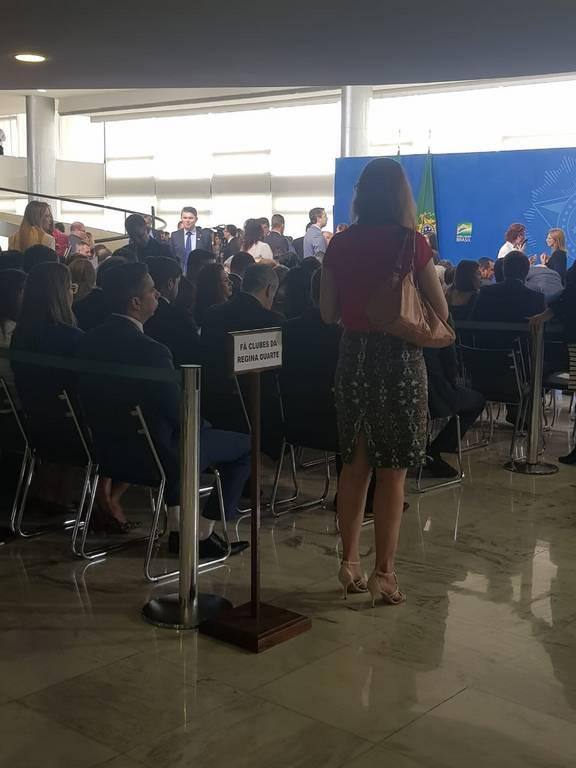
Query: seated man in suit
[447,398]
[232,244]
[141,242]
[170,324]
[509,301]
[92,310]
[250,309]
[310,355]
[190,237]
[133,299]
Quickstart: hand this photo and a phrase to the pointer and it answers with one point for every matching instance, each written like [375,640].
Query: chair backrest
[499,374]
[123,445]
[53,421]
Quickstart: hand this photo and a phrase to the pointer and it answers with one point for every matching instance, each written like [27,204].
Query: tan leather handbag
[397,307]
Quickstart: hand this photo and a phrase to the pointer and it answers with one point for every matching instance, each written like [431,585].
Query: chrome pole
[531,465]
[189,497]
[188,608]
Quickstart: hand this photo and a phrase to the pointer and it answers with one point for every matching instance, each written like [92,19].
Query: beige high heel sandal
[354,585]
[390,598]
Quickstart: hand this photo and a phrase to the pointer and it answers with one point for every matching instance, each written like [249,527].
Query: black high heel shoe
[569,458]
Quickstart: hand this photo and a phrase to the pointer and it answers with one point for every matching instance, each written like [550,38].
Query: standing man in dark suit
[510,301]
[250,309]
[170,324]
[276,239]
[232,245]
[133,299]
[144,246]
[190,237]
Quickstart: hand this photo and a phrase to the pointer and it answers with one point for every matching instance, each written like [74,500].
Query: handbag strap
[398,266]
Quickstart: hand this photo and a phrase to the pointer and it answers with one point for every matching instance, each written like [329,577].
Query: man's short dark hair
[484,262]
[134,221]
[315,214]
[232,229]
[60,227]
[113,262]
[127,253]
[37,254]
[196,260]
[277,220]
[240,263]
[264,220]
[122,284]
[516,265]
[163,269]
[258,277]
[189,209]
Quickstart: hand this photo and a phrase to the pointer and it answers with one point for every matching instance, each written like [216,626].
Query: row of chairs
[69,443]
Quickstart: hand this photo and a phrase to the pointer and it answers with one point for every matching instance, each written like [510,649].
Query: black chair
[501,375]
[53,434]
[13,440]
[120,431]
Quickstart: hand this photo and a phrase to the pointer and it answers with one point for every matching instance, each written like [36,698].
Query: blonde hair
[383,195]
[559,238]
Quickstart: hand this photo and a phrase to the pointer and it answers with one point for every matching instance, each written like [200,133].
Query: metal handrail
[27,193]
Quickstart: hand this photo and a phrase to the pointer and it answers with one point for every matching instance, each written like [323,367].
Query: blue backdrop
[490,190]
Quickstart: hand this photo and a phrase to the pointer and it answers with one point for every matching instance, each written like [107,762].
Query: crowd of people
[168,299]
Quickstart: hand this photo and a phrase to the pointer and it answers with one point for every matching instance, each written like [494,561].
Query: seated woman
[11,291]
[462,294]
[213,286]
[47,326]
[35,228]
[83,276]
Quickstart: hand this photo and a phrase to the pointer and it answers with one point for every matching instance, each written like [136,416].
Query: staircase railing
[75,201]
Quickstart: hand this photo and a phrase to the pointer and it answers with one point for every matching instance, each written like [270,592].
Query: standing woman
[558,259]
[35,229]
[381,389]
[212,287]
[254,242]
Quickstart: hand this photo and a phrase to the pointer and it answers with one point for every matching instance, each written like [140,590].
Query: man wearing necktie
[189,237]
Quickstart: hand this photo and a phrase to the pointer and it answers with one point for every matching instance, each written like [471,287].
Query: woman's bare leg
[352,490]
[388,507]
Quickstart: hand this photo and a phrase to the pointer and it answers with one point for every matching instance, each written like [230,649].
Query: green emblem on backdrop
[426,212]
[464,232]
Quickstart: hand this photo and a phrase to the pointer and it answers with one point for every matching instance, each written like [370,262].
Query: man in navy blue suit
[133,299]
[189,238]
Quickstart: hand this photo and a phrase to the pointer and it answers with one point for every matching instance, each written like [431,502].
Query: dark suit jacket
[298,245]
[151,250]
[507,302]
[92,310]
[221,403]
[203,241]
[118,340]
[231,248]
[176,329]
[310,356]
[278,243]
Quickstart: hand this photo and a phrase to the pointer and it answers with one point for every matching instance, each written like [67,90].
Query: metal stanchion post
[531,465]
[188,608]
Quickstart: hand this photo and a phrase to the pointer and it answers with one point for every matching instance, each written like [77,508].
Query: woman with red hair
[515,239]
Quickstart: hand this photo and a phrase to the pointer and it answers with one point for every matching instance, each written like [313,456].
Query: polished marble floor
[478,668]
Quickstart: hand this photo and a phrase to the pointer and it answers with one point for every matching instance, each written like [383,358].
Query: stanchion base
[524,468]
[165,611]
[274,626]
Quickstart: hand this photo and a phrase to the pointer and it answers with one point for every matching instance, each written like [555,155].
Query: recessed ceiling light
[41,90]
[30,58]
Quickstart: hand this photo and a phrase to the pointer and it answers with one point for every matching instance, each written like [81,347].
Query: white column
[41,144]
[354,120]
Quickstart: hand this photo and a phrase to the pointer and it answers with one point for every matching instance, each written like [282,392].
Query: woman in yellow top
[35,229]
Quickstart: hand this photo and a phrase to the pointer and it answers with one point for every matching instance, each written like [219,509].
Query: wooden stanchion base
[238,627]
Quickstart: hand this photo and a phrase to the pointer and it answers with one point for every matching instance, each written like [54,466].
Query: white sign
[257,350]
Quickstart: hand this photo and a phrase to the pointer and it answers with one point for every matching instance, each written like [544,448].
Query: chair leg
[86,486]
[16,521]
[26,458]
[148,575]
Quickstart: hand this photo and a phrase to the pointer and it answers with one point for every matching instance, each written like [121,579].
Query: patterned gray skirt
[382,392]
